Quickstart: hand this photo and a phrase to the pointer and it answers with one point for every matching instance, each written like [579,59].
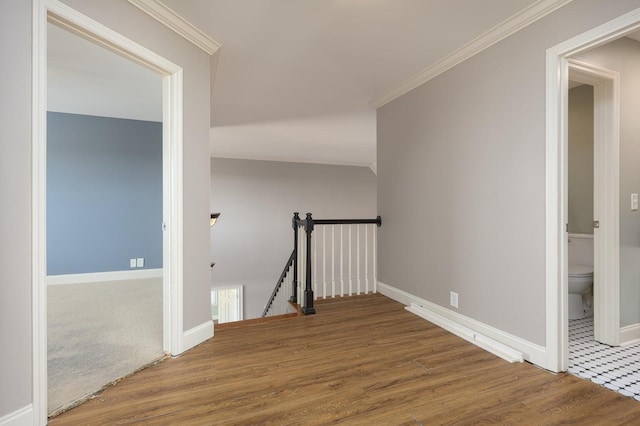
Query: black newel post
[294,292]
[308,290]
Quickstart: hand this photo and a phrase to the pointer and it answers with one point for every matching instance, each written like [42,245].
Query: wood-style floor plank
[360,360]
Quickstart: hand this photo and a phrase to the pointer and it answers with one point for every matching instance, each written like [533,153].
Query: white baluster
[366,258]
[350,276]
[375,259]
[289,285]
[358,257]
[341,264]
[333,263]
[324,260]
[315,265]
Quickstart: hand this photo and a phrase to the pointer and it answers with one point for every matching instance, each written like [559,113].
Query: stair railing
[338,257]
[341,260]
[278,303]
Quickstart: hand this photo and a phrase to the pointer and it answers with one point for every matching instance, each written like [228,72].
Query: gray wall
[15,214]
[15,176]
[581,160]
[256,199]
[461,178]
[104,193]
[624,56]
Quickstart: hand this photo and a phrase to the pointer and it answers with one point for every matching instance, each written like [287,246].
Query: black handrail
[287,266]
[377,221]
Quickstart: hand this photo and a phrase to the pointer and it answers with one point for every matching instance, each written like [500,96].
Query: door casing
[70,19]
[556,282]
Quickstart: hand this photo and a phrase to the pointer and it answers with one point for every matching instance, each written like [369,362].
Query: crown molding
[520,20]
[169,18]
[292,160]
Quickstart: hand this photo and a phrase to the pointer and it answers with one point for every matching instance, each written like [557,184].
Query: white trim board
[489,345]
[630,335]
[21,417]
[196,335]
[458,324]
[169,18]
[103,276]
[520,20]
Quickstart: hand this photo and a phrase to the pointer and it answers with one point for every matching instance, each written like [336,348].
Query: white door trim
[606,207]
[557,70]
[61,14]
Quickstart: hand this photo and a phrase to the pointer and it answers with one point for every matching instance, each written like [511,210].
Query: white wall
[253,238]
[623,56]
[15,176]
[461,178]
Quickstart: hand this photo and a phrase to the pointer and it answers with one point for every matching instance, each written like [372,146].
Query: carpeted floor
[98,333]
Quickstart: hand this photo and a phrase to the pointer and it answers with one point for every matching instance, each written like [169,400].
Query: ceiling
[84,78]
[295,80]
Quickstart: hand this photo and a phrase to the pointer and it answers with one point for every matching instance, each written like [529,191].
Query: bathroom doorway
[604,348]
[582,47]
[601,87]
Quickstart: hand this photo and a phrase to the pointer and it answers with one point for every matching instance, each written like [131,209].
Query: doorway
[606,188]
[104,209]
[226,304]
[558,65]
[52,11]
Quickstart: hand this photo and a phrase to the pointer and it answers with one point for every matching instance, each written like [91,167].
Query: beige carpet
[98,333]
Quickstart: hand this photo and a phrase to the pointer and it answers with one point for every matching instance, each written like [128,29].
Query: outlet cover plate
[453,299]
[140,262]
[132,263]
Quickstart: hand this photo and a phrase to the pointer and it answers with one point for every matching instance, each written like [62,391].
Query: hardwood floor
[360,360]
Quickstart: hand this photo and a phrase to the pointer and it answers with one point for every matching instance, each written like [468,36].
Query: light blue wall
[104,193]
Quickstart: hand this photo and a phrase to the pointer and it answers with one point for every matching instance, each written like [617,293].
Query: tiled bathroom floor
[616,368]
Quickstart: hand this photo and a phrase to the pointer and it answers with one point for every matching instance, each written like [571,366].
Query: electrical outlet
[132,263]
[140,262]
[453,299]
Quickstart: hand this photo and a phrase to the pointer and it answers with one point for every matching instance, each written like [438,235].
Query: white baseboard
[630,335]
[197,335]
[134,274]
[481,334]
[21,417]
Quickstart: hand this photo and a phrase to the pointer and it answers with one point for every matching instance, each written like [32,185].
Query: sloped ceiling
[295,79]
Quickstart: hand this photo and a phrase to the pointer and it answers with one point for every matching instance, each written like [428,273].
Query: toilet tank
[581,249]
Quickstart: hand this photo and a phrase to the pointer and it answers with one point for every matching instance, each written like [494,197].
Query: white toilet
[580,275]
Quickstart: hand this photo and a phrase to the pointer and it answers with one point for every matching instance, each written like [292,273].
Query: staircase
[340,259]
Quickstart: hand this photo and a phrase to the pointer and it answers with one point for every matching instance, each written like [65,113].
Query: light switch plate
[634,202]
